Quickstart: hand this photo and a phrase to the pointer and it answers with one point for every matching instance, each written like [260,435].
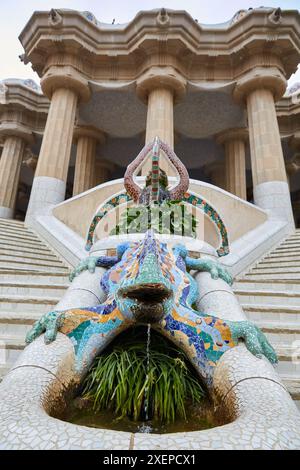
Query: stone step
[31,289]
[274,256]
[296,234]
[37,276]
[267,284]
[274,313]
[268,297]
[17,230]
[285,342]
[275,269]
[293,386]
[12,235]
[11,222]
[33,255]
[19,303]
[31,260]
[36,250]
[17,323]
[270,264]
[286,367]
[294,244]
[4,370]
[284,252]
[12,265]
[281,327]
[10,349]
[270,275]
[10,242]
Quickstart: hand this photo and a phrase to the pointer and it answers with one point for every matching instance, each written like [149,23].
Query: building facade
[216,94]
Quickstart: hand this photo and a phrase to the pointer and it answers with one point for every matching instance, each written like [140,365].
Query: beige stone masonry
[234,141]
[65,87]
[159,87]
[216,171]
[259,88]
[104,168]
[56,146]
[293,166]
[10,165]
[266,151]
[85,167]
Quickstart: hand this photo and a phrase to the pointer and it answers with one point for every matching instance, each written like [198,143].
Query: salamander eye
[180,250]
[123,247]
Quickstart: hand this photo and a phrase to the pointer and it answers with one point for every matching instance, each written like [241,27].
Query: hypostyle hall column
[216,172]
[293,166]
[85,166]
[65,87]
[160,87]
[260,88]
[104,168]
[234,141]
[15,140]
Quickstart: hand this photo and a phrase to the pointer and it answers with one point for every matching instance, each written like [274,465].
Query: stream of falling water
[144,427]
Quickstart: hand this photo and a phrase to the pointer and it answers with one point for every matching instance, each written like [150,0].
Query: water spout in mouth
[149,300]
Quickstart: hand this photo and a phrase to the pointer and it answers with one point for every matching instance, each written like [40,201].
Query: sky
[16,13]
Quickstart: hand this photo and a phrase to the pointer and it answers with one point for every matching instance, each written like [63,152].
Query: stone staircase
[270,295]
[32,280]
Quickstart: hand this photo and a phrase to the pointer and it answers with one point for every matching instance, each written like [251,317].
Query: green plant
[120,379]
[168,217]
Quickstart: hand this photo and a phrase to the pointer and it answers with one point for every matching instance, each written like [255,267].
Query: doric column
[15,138]
[85,166]
[216,172]
[293,165]
[234,141]
[65,87]
[160,87]
[260,87]
[104,169]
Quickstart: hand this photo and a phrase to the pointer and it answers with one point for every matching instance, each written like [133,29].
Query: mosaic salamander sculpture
[148,283]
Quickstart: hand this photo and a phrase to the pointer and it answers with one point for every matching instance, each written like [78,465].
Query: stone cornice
[16,129]
[24,94]
[23,109]
[216,45]
[288,115]
[160,77]
[232,134]
[259,77]
[89,131]
[65,77]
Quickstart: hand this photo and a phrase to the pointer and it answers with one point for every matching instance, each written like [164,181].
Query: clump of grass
[121,381]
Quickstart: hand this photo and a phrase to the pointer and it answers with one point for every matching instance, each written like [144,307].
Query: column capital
[89,131]
[65,77]
[237,133]
[294,141]
[16,129]
[160,77]
[217,165]
[259,77]
[107,164]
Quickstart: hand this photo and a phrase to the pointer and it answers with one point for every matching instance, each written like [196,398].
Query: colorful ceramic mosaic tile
[148,283]
[188,198]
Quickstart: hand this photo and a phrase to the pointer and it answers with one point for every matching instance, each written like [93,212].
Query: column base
[6,213]
[275,197]
[46,192]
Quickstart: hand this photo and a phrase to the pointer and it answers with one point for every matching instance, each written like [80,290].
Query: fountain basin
[248,389]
